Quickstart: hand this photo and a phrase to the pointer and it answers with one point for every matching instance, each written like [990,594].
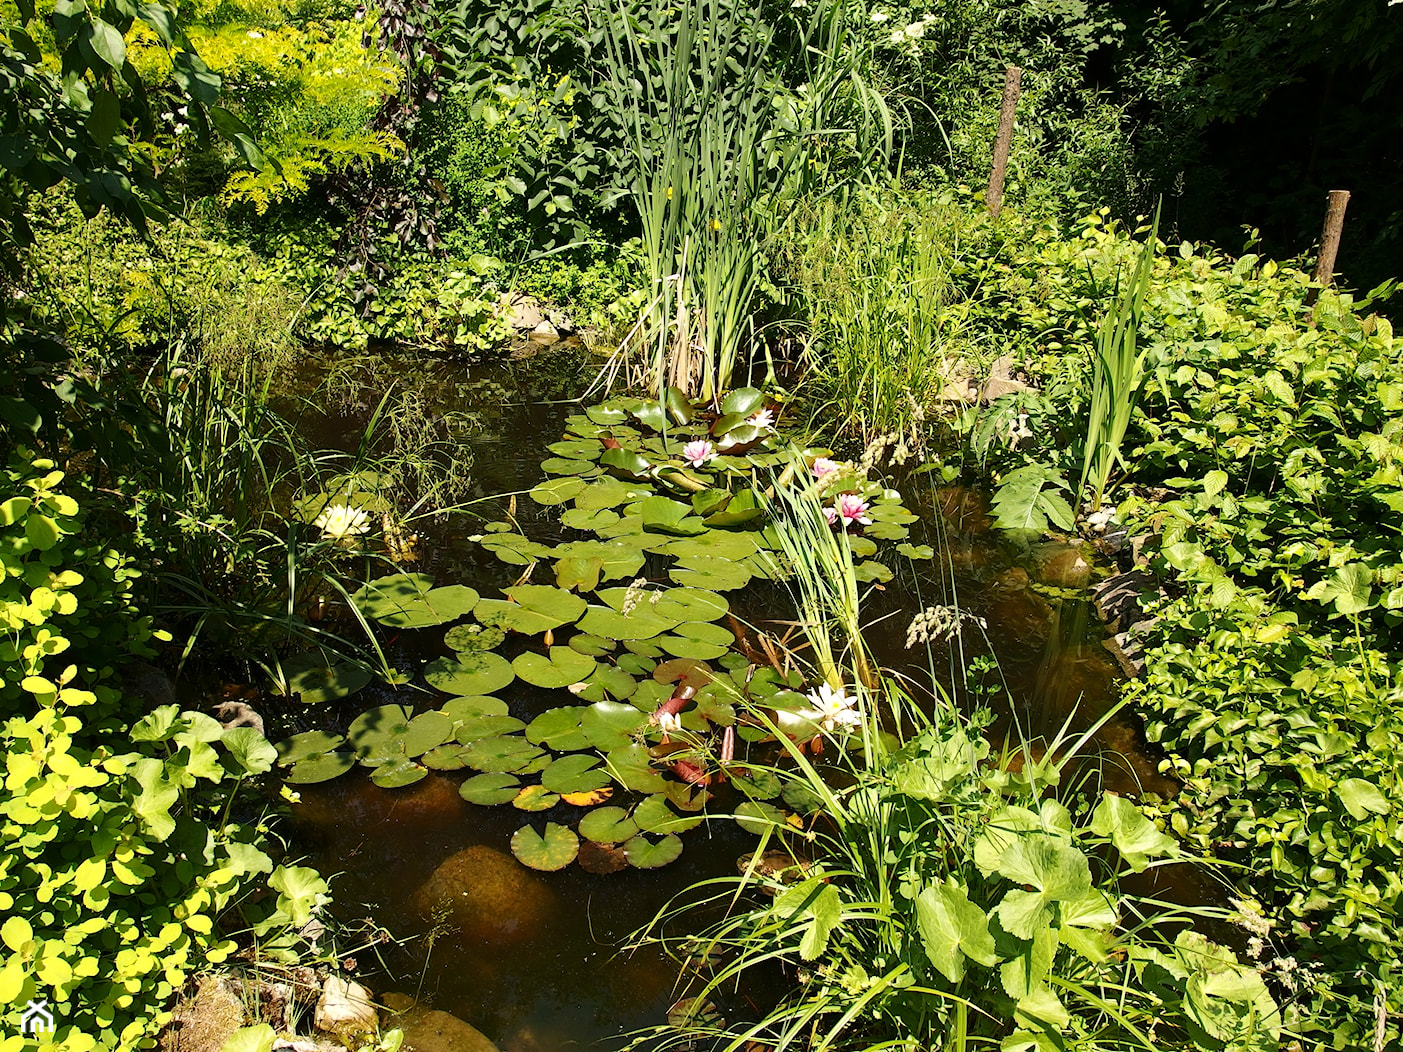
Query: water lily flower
[765,418]
[341,521]
[851,508]
[698,453]
[833,708]
[824,466]
[831,514]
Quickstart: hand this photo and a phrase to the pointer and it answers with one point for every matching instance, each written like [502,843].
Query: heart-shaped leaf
[561,667]
[549,851]
[487,790]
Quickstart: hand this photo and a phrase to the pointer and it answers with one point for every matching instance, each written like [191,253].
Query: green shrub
[120,862]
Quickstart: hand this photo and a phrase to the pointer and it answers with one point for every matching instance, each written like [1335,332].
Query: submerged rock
[428,1030]
[346,1008]
[488,895]
[1061,565]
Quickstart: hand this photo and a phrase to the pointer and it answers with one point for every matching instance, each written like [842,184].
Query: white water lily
[833,708]
[340,521]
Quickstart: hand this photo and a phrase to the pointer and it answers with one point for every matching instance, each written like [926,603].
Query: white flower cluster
[940,623]
[913,31]
[634,595]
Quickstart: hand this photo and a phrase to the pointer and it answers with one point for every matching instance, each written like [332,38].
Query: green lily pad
[743,400]
[633,769]
[716,703]
[635,664]
[460,710]
[560,668]
[398,774]
[589,518]
[558,729]
[608,493]
[471,673]
[317,677]
[381,730]
[755,816]
[567,467]
[487,790]
[698,640]
[609,725]
[576,773]
[594,646]
[607,413]
[478,727]
[916,551]
[407,601]
[561,606]
[710,573]
[577,573]
[743,507]
[503,754]
[626,462]
[710,501]
[871,570]
[466,638]
[307,745]
[643,853]
[719,544]
[891,513]
[664,515]
[321,768]
[886,531]
[452,757]
[607,681]
[607,825]
[514,548]
[691,604]
[739,437]
[654,816]
[617,558]
[553,850]
[641,624]
[649,695]
[801,797]
[757,783]
[506,616]
[862,547]
[577,448]
[535,798]
[557,491]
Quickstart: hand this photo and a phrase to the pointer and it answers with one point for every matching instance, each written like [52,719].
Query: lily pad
[606,414]
[626,462]
[317,676]
[757,783]
[697,640]
[478,727]
[576,773]
[407,601]
[609,725]
[916,551]
[479,673]
[871,570]
[743,507]
[466,638]
[577,448]
[743,400]
[653,815]
[506,616]
[594,646]
[639,663]
[691,604]
[560,668]
[514,548]
[710,573]
[460,710]
[535,798]
[755,816]
[556,603]
[607,681]
[452,757]
[559,729]
[487,790]
[643,623]
[608,825]
[398,774]
[504,754]
[608,493]
[643,853]
[307,745]
[555,849]
[719,544]
[664,515]
[633,769]
[617,558]
[686,672]
[567,467]
[557,491]
[577,573]
[589,518]
[377,732]
[320,768]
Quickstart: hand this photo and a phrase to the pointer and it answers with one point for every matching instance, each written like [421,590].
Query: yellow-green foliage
[114,864]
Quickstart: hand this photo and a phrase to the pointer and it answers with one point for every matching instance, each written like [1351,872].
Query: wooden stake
[995,197]
[1330,237]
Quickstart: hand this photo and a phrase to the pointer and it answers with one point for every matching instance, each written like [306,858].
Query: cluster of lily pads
[659,693]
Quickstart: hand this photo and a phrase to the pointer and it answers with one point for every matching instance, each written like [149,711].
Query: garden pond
[416,797]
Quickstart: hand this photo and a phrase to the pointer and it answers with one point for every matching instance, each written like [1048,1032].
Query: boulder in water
[488,895]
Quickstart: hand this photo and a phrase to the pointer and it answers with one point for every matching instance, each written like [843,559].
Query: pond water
[541,968]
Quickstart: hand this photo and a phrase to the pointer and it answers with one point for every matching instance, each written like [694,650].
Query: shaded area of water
[542,971]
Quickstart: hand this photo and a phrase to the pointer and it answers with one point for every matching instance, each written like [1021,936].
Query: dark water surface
[544,971]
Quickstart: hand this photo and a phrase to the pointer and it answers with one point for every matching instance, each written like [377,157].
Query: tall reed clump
[937,895]
[716,145]
[1117,376]
[873,276]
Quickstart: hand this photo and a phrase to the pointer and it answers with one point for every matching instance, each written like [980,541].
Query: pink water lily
[851,508]
[698,453]
[824,466]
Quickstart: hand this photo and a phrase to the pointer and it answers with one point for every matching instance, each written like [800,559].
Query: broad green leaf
[560,668]
[1133,835]
[1361,797]
[250,749]
[643,853]
[953,928]
[470,673]
[608,825]
[553,849]
[577,773]
[488,789]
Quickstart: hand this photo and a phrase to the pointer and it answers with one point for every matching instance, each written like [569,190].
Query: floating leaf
[460,710]
[487,790]
[307,745]
[605,681]
[535,798]
[477,727]
[515,549]
[707,572]
[376,733]
[558,729]
[719,544]
[743,507]
[407,600]
[756,817]
[697,640]
[608,825]
[871,570]
[398,774]
[686,672]
[567,467]
[553,850]
[589,518]
[317,677]
[617,558]
[452,757]
[503,754]
[643,853]
[606,414]
[555,603]
[578,573]
[576,773]
[913,551]
[466,638]
[594,646]
[664,515]
[608,493]
[757,783]
[506,616]
[632,768]
[560,668]
[480,673]
[654,816]
[643,623]
[557,491]
[577,448]
[321,768]
[589,798]
[601,859]
[609,725]
[626,462]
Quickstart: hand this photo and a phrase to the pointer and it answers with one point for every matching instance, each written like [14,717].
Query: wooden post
[1329,246]
[1330,236]
[995,197]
